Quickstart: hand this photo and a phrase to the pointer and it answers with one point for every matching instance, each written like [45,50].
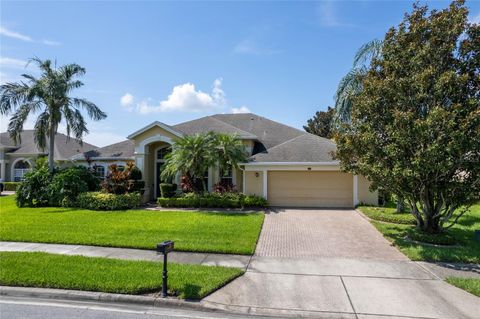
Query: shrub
[108,201]
[214,200]
[11,186]
[66,185]
[123,181]
[168,190]
[34,190]
[224,187]
[88,176]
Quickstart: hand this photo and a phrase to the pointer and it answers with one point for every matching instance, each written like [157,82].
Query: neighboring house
[18,158]
[287,166]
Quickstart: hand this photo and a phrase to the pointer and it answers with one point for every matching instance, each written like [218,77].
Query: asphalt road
[34,308]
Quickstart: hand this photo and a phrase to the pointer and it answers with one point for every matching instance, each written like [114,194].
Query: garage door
[310,189]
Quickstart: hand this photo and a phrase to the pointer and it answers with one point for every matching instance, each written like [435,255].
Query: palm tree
[191,156]
[48,95]
[231,151]
[351,84]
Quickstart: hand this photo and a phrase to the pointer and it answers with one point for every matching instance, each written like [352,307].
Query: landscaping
[232,233]
[110,275]
[472,285]
[222,200]
[457,244]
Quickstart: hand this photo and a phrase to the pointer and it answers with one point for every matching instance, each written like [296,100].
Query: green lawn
[472,285]
[109,275]
[467,250]
[191,231]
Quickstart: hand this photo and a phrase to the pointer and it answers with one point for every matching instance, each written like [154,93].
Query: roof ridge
[228,124]
[304,134]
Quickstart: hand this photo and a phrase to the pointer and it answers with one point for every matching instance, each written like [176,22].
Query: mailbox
[165,247]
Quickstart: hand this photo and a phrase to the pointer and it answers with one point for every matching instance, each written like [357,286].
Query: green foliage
[214,200]
[168,190]
[65,186]
[191,230]
[41,161]
[388,214]
[122,181]
[321,124]
[88,176]
[11,186]
[48,95]
[193,155]
[34,189]
[110,275]
[108,201]
[415,124]
[472,285]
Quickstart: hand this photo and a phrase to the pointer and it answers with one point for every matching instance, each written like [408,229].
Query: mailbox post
[164,248]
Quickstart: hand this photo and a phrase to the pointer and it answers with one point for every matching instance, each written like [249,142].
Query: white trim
[155,177]
[355,190]
[151,125]
[105,159]
[290,163]
[12,169]
[243,181]
[265,183]
[142,147]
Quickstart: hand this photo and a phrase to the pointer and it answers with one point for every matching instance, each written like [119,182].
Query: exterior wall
[156,130]
[365,196]
[253,184]
[238,179]
[12,158]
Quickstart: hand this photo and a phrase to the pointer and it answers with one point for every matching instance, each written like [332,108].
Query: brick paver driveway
[322,233]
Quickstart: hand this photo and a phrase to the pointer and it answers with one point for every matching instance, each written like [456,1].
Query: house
[18,158]
[287,166]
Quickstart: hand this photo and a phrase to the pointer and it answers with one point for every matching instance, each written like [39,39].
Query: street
[34,308]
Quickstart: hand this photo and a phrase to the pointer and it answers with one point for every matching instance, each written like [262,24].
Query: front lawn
[191,231]
[472,285]
[110,275]
[467,249]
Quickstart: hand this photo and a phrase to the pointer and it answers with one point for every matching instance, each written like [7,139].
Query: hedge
[10,186]
[107,201]
[214,200]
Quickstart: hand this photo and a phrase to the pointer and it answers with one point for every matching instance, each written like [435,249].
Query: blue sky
[176,61]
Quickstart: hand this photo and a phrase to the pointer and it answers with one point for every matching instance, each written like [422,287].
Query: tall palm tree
[231,151]
[49,95]
[351,84]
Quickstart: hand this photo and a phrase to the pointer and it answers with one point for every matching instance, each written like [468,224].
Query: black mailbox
[165,247]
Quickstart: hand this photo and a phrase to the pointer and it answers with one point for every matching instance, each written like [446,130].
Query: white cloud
[186,98]
[251,47]
[241,109]
[50,42]
[127,101]
[11,62]
[15,35]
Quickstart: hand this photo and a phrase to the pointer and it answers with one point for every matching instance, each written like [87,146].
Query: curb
[79,295]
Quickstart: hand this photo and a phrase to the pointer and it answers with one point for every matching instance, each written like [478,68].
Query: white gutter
[290,163]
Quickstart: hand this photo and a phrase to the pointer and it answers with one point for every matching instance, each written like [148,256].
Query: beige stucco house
[287,166]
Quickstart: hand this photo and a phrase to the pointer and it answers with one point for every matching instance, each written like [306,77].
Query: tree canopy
[415,125]
[321,124]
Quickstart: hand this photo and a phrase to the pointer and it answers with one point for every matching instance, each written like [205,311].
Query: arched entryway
[19,168]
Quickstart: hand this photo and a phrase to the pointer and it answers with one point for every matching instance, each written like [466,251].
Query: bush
[11,186]
[88,176]
[123,181]
[214,200]
[224,187]
[107,201]
[168,190]
[66,185]
[34,190]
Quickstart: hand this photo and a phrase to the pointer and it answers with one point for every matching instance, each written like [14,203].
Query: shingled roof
[211,124]
[304,148]
[120,150]
[64,147]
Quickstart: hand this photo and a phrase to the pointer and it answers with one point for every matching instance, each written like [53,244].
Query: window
[120,168]
[19,169]
[226,176]
[161,153]
[205,179]
[100,171]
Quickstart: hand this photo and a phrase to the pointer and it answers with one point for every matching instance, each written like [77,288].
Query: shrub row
[108,201]
[214,200]
[10,186]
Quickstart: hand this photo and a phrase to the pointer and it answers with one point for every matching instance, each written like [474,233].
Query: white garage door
[310,189]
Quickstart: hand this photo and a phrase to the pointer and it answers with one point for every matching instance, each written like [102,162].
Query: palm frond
[349,86]
[41,130]
[93,110]
[70,70]
[11,95]
[15,126]
[367,52]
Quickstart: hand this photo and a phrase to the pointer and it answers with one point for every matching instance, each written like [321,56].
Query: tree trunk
[51,149]
[431,225]
[400,205]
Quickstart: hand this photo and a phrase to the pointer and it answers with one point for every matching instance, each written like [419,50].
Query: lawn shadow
[192,292]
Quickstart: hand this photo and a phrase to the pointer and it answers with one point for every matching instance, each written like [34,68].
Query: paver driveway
[322,233]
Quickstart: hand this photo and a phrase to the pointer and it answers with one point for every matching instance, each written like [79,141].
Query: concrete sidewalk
[343,288]
[237,261]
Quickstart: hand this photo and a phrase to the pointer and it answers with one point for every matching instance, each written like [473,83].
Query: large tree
[321,124]
[48,96]
[415,126]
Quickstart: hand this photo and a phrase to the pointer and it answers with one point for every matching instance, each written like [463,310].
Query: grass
[110,275]
[467,249]
[472,285]
[191,231]
[388,214]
